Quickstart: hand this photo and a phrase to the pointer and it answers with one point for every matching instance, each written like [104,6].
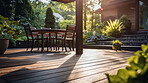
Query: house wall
[117,11]
[109,12]
[129,11]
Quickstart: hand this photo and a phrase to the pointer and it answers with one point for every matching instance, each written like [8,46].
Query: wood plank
[96,78]
[89,67]
[50,74]
[73,76]
[55,64]
[65,58]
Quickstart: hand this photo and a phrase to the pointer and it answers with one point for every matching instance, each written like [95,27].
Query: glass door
[143,14]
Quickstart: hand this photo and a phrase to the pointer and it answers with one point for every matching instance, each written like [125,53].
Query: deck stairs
[130,42]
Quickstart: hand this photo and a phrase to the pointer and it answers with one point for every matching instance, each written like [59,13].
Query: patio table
[48,30]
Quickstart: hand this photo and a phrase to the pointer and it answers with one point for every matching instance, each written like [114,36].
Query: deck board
[54,67]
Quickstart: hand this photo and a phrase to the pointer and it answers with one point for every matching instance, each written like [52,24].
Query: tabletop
[46,30]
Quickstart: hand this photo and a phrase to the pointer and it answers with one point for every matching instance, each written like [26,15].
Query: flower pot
[3,45]
[116,47]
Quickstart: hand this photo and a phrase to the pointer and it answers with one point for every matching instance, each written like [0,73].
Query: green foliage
[126,23]
[117,45]
[113,29]
[86,34]
[7,8]
[66,10]
[63,24]
[7,28]
[23,11]
[39,13]
[50,20]
[117,42]
[100,27]
[136,72]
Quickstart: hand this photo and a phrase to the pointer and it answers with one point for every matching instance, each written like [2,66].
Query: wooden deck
[19,66]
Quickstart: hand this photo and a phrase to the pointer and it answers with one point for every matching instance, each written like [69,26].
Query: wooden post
[137,15]
[79,27]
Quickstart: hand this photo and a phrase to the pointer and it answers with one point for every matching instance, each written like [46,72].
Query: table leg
[56,41]
[42,42]
[50,41]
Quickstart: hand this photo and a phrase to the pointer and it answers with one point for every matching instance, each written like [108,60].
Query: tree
[50,20]
[7,8]
[23,9]
[39,13]
[90,18]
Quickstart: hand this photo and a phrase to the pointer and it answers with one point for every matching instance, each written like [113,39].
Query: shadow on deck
[19,66]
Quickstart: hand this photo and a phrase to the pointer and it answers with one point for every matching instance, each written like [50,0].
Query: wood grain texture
[55,67]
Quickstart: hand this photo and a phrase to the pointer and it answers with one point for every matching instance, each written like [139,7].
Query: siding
[117,11]
[129,11]
[111,12]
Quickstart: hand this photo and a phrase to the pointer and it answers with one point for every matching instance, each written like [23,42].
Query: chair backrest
[70,31]
[28,31]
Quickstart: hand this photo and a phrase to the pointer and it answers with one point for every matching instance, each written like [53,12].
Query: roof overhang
[118,3]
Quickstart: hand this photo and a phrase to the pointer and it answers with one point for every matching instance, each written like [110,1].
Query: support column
[79,27]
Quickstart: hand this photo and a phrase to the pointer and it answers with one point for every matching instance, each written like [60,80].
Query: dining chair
[67,37]
[33,36]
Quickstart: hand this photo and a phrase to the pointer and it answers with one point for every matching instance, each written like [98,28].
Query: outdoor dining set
[54,37]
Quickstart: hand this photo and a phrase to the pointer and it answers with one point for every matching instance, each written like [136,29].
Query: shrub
[116,45]
[7,8]
[8,28]
[136,72]
[117,42]
[64,23]
[23,8]
[113,29]
[86,35]
[126,23]
[99,28]
[50,20]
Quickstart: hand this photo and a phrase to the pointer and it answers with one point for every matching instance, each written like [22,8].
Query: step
[129,39]
[138,43]
[136,35]
[131,48]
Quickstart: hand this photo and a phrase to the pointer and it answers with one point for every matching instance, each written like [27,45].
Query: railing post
[79,27]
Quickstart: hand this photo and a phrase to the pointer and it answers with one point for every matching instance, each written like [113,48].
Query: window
[143,15]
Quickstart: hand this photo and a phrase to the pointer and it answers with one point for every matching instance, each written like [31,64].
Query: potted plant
[113,29]
[7,31]
[117,45]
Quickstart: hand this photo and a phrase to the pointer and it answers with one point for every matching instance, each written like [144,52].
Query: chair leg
[62,44]
[73,45]
[27,44]
[38,44]
[58,44]
[47,44]
[65,45]
[32,45]
[50,43]
[53,45]
[69,45]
